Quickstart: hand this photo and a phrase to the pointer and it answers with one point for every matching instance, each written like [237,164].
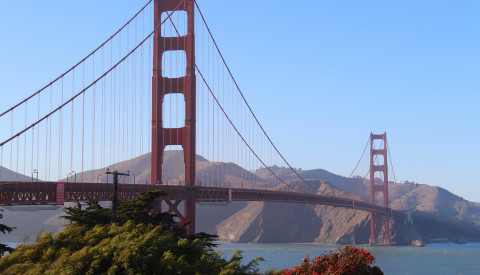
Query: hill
[438,215]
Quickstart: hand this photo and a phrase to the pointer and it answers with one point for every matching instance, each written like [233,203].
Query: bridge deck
[32,193]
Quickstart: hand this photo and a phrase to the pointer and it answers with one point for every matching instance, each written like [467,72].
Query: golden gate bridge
[158,99]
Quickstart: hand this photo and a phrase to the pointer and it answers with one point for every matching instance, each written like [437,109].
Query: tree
[5,229]
[137,210]
[138,243]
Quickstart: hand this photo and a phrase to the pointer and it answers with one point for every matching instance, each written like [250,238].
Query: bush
[349,260]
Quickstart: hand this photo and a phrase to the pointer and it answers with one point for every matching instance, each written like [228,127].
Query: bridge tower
[382,169]
[161,86]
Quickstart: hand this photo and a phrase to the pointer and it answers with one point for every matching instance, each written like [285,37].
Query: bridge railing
[39,193]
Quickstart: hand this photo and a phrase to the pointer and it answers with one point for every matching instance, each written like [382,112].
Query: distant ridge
[437,213]
[9,175]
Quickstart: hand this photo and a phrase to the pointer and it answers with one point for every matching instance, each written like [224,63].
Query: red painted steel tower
[375,188]
[161,86]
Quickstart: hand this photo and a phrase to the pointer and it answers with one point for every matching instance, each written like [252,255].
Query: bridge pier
[384,230]
[186,85]
[376,187]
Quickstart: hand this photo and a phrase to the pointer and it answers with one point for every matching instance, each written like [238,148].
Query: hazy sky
[320,75]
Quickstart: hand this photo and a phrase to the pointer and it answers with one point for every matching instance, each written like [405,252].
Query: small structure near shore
[417,243]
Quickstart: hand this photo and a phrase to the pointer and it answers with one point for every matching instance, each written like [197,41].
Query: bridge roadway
[41,193]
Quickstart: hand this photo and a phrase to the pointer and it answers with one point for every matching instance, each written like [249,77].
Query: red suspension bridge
[186,128]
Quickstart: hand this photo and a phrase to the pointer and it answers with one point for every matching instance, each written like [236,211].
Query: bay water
[439,258]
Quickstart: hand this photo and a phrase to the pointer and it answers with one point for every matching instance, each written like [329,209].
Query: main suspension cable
[78,63]
[235,128]
[243,97]
[90,85]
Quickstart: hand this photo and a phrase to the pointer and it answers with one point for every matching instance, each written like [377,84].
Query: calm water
[442,258]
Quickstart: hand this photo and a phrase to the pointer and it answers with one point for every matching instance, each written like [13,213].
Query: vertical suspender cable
[213,120]
[126,101]
[149,101]
[242,152]
[93,119]
[163,167]
[25,142]
[393,171]
[246,152]
[60,139]
[224,149]
[123,123]
[121,115]
[38,135]
[134,101]
[171,163]
[102,121]
[203,110]
[18,149]
[142,88]
[83,122]
[120,93]
[208,113]
[218,126]
[111,109]
[11,144]
[134,117]
[33,144]
[46,149]
[177,65]
[50,140]
[239,153]
[114,116]
[104,116]
[254,140]
[232,134]
[71,123]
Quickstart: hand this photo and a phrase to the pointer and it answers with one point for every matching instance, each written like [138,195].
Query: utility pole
[115,192]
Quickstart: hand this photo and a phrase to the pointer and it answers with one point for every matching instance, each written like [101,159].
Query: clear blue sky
[330,71]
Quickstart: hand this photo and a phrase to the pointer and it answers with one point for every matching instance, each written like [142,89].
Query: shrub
[349,260]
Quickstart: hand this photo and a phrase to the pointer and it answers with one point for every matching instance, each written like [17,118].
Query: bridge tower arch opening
[165,45]
[379,181]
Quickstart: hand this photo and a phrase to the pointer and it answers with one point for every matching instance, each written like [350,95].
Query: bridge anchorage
[241,157]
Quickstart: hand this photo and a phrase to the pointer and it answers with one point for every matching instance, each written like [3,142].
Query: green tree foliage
[137,210]
[92,215]
[139,243]
[5,229]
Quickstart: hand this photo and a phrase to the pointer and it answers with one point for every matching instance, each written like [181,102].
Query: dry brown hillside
[438,215]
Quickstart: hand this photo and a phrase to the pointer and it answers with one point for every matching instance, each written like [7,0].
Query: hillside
[9,175]
[438,215]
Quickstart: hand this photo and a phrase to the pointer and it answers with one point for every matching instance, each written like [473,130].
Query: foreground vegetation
[143,243]
[5,229]
[138,243]
[349,260]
